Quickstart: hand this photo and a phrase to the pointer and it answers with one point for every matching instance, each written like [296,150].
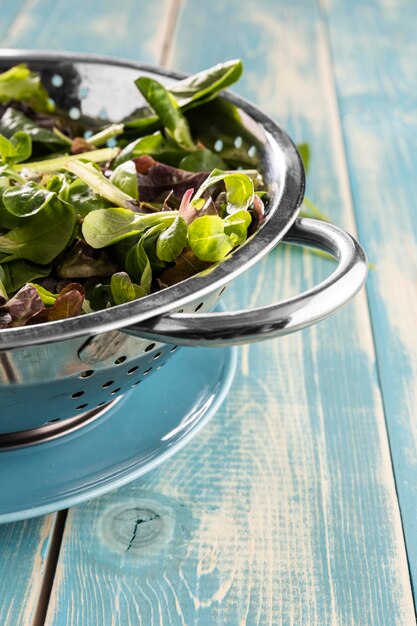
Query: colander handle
[236,327]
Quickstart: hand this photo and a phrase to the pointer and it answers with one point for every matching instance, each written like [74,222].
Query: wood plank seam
[18,21]
[170,29]
[50,568]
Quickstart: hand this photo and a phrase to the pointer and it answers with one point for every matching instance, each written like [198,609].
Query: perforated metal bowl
[57,376]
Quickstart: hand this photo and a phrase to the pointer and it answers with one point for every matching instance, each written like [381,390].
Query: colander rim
[283,210]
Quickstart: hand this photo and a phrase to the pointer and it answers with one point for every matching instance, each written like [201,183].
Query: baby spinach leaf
[7,150]
[190,92]
[172,241]
[8,174]
[20,84]
[98,297]
[139,266]
[23,146]
[16,149]
[13,121]
[125,178]
[28,199]
[205,85]
[156,146]
[46,296]
[237,224]
[17,273]
[104,227]
[207,238]
[7,220]
[101,185]
[83,198]
[202,161]
[42,236]
[58,183]
[168,111]
[107,226]
[123,289]
[239,189]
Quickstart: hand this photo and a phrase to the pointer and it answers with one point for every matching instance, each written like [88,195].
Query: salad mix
[92,219]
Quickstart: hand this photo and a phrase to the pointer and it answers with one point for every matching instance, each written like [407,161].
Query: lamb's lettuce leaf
[21,85]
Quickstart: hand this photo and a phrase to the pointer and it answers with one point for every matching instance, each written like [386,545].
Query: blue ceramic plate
[146,427]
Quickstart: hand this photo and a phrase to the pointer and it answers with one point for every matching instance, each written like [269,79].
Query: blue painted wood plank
[8,13]
[24,551]
[376,75]
[283,511]
[95,26]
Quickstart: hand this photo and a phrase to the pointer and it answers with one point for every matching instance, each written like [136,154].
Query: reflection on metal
[53,429]
[8,373]
[102,347]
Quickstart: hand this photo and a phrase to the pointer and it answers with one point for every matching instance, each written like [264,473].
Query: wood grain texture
[8,13]
[24,551]
[283,511]
[376,76]
[131,28]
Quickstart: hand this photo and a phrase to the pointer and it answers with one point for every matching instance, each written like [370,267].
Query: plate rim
[107,484]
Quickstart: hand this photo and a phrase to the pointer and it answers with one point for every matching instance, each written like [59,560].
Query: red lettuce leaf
[24,305]
[157,179]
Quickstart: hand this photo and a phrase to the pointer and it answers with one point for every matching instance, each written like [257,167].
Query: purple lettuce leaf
[189,213]
[24,305]
[68,304]
[157,179]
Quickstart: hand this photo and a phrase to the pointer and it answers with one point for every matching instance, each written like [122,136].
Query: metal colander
[58,376]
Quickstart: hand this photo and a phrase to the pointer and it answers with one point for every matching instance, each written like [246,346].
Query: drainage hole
[132,369]
[174,348]
[157,355]
[136,383]
[101,403]
[112,393]
[147,371]
[57,419]
[78,394]
[149,347]
[74,113]
[57,80]
[198,307]
[86,373]
[120,360]
[107,384]
[81,406]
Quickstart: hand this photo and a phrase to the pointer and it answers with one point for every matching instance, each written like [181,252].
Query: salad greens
[19,84]
[92,219]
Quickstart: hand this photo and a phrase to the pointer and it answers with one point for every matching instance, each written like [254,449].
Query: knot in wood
[135,528]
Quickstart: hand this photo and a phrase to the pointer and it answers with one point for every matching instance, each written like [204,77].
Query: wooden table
[297,505]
